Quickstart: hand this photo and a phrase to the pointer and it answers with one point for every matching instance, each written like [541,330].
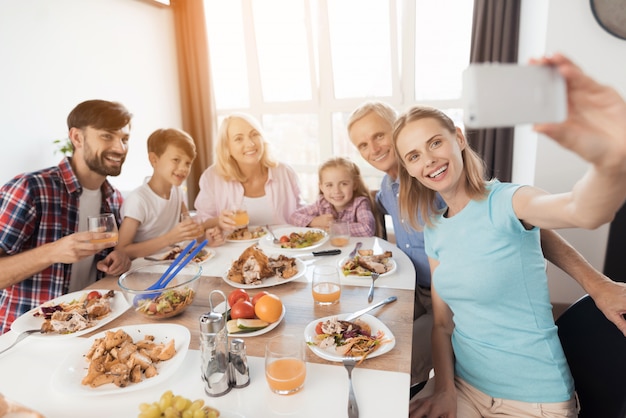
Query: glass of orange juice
[240,216]
[339,233]
[105,222]
[326,285]
[285,368]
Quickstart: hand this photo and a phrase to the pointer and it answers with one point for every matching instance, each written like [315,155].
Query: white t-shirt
[260,210]
[84,270]
[155,214]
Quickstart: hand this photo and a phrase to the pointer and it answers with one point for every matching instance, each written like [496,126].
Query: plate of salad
[334,339]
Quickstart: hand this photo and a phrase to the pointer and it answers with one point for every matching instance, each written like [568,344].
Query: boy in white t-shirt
[151,213]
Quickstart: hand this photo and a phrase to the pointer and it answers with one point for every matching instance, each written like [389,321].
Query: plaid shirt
[357,213]
[35,209]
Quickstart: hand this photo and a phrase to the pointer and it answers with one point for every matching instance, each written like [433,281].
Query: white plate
[268,242]
[29,321]
[209,254]
[392,262]
[73,369]
[220,309]
[247,241]
[270,281]
[331,354]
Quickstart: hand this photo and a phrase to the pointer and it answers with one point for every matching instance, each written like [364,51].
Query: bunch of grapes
[176,406]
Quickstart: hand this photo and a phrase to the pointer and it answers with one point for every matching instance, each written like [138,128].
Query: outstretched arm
[609,296]
[595,129]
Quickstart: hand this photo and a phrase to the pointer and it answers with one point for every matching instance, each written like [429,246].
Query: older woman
[244,174]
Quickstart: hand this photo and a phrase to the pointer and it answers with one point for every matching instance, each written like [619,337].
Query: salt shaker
[239,370]
[214,351]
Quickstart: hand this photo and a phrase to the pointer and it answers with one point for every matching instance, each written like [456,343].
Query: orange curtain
[197,102]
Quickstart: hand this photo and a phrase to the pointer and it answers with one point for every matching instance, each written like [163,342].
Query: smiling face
[172,166]
[337,186]
[104,151]
[432,154]
[372,136]
[245,143]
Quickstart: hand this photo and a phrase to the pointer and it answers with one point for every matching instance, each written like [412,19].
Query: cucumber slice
[251,324]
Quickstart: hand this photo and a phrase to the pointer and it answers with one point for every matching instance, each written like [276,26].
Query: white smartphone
[501,95]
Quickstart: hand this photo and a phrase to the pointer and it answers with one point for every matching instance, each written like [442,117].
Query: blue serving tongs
[174,268]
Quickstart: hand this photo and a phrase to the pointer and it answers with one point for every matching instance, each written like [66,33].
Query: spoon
[20,337]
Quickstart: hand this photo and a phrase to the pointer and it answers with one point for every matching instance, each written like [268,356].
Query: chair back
[596,353]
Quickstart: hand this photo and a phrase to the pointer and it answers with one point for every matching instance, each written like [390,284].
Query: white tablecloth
[27,376]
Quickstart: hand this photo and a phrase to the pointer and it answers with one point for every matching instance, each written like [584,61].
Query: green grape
[175,406]
[153,411]
[166,400]
[199,413]
[197,404]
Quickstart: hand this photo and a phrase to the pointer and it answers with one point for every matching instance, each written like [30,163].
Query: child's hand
[185,231]
[215,236]
[322,221]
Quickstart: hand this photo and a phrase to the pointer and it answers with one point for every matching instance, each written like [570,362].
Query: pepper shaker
[239,370]
[214,351]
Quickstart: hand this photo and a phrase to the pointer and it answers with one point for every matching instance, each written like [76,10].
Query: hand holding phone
[502,95]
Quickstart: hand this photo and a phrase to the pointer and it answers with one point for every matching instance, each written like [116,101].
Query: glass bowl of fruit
[165,302]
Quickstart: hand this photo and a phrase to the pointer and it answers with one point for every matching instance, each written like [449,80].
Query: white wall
[56,54]
[566,26]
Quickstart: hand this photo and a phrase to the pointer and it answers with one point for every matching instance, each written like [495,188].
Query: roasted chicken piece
[251,267]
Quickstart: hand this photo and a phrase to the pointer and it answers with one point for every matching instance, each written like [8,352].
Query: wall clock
[611,15]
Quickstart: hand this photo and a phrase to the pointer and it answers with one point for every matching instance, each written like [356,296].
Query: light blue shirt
[492,276]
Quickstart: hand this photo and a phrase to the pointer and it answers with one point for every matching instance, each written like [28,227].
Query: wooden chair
[596,353]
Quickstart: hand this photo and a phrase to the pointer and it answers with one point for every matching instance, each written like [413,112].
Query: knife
[355,315]
[320,253]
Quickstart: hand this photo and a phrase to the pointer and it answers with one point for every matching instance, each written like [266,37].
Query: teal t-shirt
[492,276]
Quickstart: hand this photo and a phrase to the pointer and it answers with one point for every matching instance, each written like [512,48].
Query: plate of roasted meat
[365,262]
[73,314]
[255,269]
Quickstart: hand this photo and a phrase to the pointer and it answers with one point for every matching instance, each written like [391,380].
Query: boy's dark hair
[99,114]
[160,139]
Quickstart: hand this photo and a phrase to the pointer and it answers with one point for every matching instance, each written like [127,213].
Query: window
[301,71]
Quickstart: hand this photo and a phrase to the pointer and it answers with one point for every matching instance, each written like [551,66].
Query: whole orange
[269,308]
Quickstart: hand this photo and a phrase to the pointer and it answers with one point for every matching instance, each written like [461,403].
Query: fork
[353,409]
[276,240]
[20,337]
[370,295]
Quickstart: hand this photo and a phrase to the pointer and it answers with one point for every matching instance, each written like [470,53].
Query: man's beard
[98,164]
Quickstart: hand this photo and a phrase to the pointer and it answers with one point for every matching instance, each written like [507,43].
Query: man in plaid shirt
[45,247]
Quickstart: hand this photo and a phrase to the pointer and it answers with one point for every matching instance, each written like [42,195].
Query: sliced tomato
[318,328]
[94,294]
[284,239]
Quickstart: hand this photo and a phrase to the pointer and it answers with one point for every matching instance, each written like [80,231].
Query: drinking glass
[105,222]
[339,234]
[326,285]
[240,216]
[193,215]
[285,368]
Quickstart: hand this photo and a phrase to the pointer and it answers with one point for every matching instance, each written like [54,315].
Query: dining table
[29,372]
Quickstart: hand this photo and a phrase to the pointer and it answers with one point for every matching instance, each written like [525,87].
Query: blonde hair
[360,188]
[225,165]
[160,139]
[414,195]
